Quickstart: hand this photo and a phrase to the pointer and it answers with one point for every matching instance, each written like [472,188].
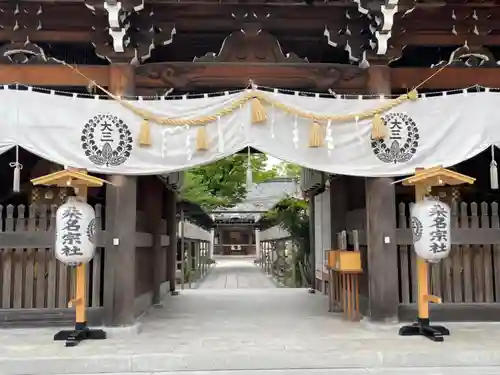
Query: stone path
[385,371]
[258,331]
[236,273]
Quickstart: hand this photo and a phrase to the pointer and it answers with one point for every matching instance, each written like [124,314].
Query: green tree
[292,214]
[286,169]
[223,183]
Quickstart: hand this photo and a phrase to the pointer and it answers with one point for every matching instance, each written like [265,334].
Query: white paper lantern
[430,223]
[75,232]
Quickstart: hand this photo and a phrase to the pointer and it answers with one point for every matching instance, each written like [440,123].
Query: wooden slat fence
[30,275]
[471,274]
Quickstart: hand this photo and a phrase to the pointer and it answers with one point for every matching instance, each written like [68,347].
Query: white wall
[194,232]
[322,231]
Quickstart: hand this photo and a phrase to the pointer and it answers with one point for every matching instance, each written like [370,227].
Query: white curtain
[71,131]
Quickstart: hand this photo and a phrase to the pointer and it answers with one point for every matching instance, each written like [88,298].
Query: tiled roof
[261,198]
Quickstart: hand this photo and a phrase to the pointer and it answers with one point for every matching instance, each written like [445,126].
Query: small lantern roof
[437,176]
[69,178]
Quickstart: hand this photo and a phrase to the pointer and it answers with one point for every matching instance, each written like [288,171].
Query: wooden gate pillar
[119,266]
[153,207]
[171,217]
[383,289]
[121,206]
[382,265]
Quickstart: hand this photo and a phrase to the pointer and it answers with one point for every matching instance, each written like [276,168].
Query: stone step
[81,360]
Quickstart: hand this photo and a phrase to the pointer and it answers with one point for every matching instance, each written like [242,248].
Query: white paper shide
[75,232]
[430,223]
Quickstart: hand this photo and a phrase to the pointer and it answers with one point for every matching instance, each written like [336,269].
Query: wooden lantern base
[80,333]
[423,328]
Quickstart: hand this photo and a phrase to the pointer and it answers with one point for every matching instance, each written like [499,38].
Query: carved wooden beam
[22,53]
[217,75]
[153,78]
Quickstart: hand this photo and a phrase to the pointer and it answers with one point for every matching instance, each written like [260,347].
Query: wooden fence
[468,281]
[30,275]
[471,274]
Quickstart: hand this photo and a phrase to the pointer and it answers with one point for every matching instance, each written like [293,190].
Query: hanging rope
[258,113]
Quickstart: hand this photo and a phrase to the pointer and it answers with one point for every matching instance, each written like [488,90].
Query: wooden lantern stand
[424,180]
[80,181]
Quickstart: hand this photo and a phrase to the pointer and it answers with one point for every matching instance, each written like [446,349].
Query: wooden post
[183,251]
[81,275]
[190,260]
[382,264]
[312,243]
[153,207]
[119,266]
[422,267]
[121,200]
[424,180]
[171,210]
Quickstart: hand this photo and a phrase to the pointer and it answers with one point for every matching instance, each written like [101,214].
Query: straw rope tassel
[201,139]
[315,135]
[145,133]
[413,95]
[379,131]
[493,171]
[259,114]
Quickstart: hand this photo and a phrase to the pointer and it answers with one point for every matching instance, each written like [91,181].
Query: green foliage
[292,215]
[223,183]
[285,169]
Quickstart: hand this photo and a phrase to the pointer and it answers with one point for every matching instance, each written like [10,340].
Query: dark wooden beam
[44,36]
[407,78]
[433,38]
[203,76]
[52,75]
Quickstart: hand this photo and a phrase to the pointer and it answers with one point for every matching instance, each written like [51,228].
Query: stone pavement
[236,272]
[259,331]
[385,371]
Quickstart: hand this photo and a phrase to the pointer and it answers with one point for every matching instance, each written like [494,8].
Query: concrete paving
[236,272]
[261,330]
[385,371]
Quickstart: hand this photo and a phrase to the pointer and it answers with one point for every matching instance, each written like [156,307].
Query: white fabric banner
[101,135]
